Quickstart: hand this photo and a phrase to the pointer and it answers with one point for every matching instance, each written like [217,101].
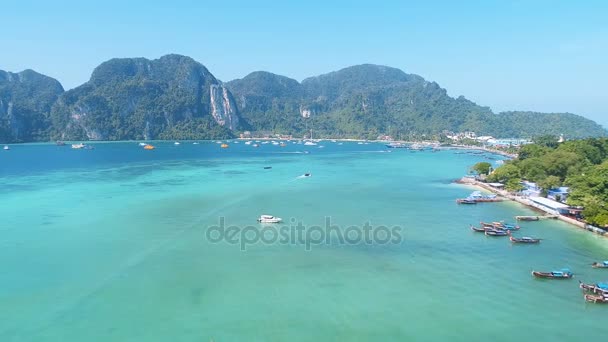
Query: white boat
[176,143]
[247,142]
[194,143]
[310,143]
[6,148]
[77,146]
[142,144]
[269,219]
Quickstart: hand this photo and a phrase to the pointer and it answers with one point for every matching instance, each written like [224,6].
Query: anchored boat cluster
[593,293]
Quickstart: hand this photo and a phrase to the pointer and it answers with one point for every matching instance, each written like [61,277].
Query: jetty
[547,206]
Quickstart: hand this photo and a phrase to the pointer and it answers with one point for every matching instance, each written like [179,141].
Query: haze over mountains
[175,97]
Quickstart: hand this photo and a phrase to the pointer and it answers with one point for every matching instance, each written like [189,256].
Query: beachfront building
[508,142]
[549,205]
[530,189]
[559,194]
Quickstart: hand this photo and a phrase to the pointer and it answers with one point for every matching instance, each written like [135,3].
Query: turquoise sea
[111,244]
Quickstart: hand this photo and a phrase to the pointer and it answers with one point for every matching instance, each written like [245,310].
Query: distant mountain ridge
[366,100]
[175,97]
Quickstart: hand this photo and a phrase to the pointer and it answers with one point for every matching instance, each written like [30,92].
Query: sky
[549,56]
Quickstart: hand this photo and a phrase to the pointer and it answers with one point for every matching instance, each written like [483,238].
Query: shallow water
[111,244]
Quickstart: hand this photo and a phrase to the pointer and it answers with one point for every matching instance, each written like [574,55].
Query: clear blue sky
[522,55]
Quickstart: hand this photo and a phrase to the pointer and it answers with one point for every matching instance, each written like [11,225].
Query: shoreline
[528,204]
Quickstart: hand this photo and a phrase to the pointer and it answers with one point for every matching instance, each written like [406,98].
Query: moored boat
[599,288]
[601,299]
[77,146]
[524,239]
[269,219]
[500,225]
[478,230]
[396,145]
[493,232]
[562,274]
[148,147]
[224,145]
[602,264]
[6,148]
[466,201]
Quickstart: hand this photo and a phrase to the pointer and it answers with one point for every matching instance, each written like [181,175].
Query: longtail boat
[603,264]
[479,230]
[599,288]
[490,232]
[524,239]
[466,201]
[500,225]
[563,274]
[596,299]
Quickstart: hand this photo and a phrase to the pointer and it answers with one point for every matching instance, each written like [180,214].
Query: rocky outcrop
[25,104]
[223,108]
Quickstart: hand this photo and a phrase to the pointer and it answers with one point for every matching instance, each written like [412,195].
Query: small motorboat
[269,219]
[466,201]
[602,264]
[224,145]
[601,299]
[599,288]
[255,145]
[562,274]
[195,143]
[496,232]
[524,239]
[176,143]
[308,174]
[148,147]
[6,148]
[310,143]
[142,144]
[77,146]
[247,142]
[267,167]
